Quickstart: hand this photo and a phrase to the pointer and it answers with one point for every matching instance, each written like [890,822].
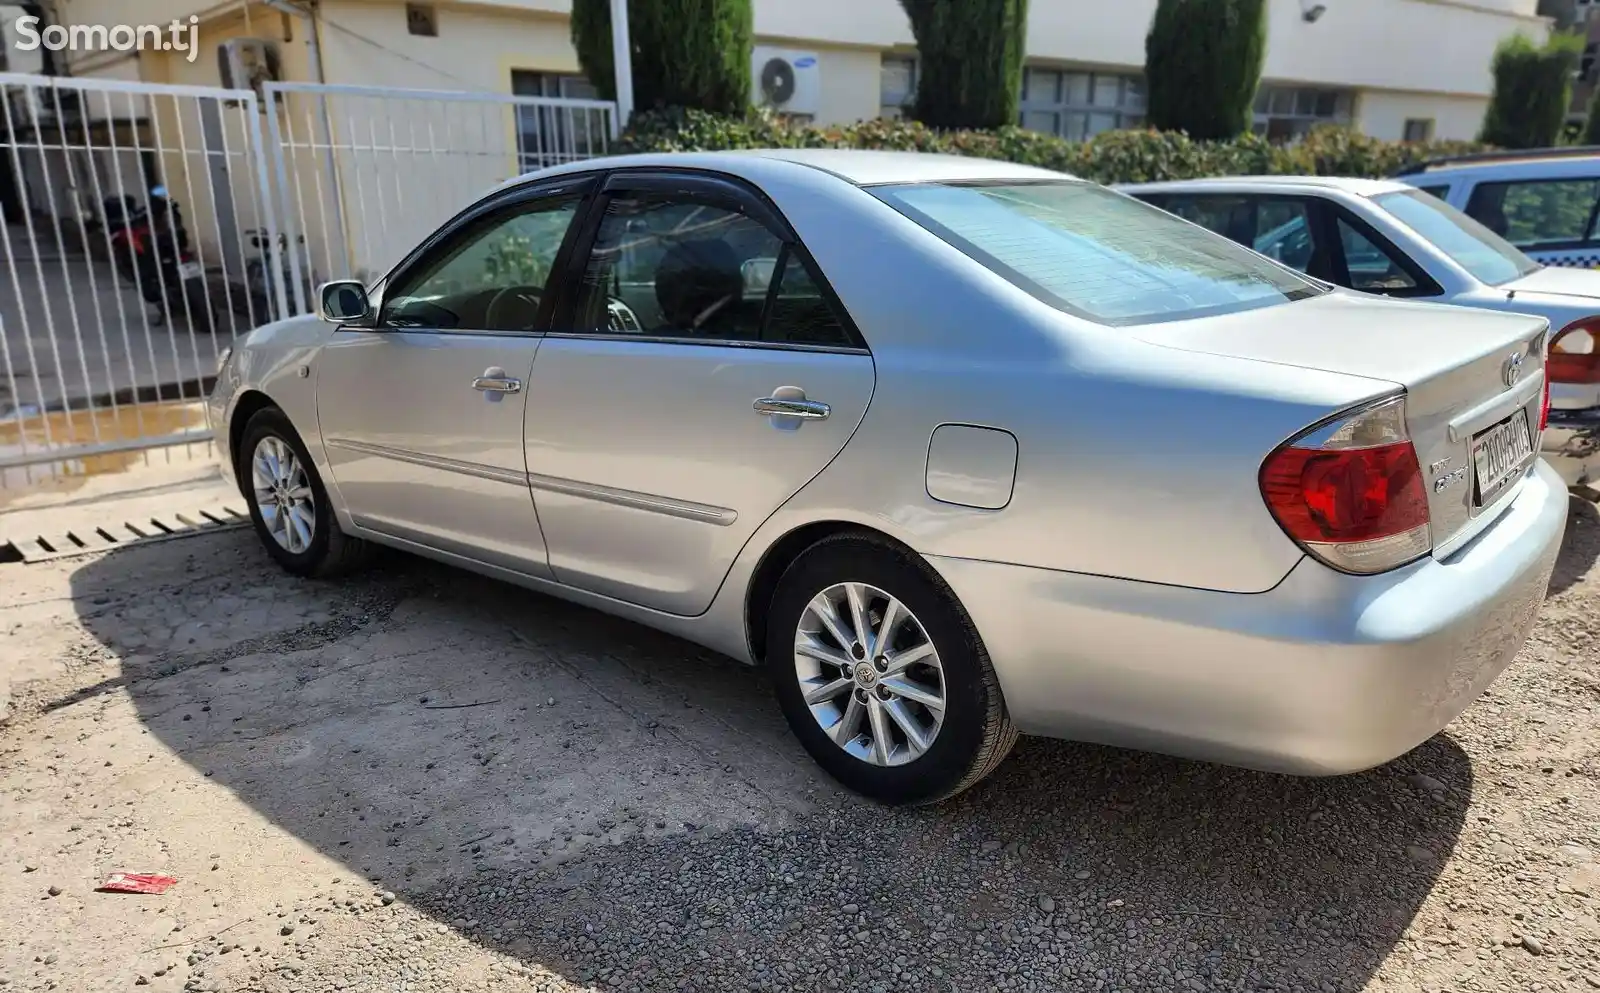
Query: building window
[422,19]
[1079,105]
[1418,129]
[551,135]
[897,85]
[1285,113]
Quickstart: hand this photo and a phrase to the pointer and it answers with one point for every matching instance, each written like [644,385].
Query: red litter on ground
[135,882]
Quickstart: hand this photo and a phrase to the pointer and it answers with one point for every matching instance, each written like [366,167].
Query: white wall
[1425,45]
[1383,114]
[476,48]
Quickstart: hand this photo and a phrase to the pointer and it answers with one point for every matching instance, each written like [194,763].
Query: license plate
[1499,453]
[188,270]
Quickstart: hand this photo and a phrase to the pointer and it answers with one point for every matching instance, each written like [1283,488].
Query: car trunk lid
[1473,382]
[1559,281]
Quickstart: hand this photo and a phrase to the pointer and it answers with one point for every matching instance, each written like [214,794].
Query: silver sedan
[957,449]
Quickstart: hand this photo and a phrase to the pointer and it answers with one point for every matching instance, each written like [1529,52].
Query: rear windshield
[1490,258]
[1097,254]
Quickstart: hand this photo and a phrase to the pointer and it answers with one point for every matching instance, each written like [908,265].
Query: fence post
[270,102]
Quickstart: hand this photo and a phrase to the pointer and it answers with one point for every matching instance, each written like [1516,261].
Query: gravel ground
[422,781]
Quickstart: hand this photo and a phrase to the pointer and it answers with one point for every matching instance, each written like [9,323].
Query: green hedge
[1114,157]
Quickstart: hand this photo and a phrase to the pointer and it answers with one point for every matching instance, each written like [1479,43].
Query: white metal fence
[146,226]
[364,173]
[122,271]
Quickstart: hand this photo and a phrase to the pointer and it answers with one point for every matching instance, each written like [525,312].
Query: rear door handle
[497,384]
[805,410]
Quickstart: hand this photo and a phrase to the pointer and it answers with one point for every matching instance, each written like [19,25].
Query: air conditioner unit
[786,80]
[248,63]
[13,58]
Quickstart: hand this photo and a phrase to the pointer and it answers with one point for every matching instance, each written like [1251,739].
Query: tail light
[1350,491]
[1575,353]
[1544,401]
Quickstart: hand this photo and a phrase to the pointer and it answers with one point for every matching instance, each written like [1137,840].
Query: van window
[1537,213]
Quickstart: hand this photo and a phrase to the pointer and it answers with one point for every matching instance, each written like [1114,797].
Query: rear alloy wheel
[870,674]
[288,503]
[881,674]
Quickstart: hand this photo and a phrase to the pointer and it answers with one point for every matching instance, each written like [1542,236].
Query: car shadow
[554,784]
[1581,545]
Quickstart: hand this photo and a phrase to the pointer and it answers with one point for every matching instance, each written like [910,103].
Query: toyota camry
[956,449]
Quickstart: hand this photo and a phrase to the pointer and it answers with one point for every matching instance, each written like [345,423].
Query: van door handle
[805,410]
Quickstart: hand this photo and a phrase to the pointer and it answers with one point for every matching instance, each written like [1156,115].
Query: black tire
[976,734]
[194,304]
[330,552]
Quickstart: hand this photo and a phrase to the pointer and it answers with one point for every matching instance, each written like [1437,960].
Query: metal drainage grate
[109,537]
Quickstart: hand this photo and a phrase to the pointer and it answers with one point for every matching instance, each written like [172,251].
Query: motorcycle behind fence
[151,250]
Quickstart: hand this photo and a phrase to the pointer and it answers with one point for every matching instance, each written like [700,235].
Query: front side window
[676,268]
[1487,256]
[1542,212]
[492,278]
[1096,254]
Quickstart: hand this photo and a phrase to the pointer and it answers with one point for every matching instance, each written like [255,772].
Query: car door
[701,373]
[422,412]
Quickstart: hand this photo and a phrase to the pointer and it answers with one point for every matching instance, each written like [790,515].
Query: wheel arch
[251,402]
[777,559]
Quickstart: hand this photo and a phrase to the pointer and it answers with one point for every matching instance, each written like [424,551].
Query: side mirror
[342,301]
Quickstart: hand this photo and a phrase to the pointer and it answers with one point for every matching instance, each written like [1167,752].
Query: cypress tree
[1202,65]
[686,53]
[969,55]
[1532,90]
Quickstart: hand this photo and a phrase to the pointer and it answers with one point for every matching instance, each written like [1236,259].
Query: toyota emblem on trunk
[1513,371]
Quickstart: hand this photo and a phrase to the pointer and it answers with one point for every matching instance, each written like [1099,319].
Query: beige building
[1395,68]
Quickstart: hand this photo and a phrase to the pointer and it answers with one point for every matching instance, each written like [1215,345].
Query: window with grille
[897,85]
[548,136]
[422,20]
[1285,113]
[1419,129]
[1078,105]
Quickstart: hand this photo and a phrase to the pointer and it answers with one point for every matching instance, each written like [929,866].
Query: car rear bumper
[1572,445]
[1324,674]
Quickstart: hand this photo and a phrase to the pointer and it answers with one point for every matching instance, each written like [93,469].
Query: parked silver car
[1384,237]
[958,449]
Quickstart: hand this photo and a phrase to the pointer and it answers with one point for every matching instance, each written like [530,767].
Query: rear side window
[1541,213]
[1096,254]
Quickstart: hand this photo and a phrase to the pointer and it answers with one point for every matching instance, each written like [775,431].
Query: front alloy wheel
[288,503]
[870,674]
[283,495]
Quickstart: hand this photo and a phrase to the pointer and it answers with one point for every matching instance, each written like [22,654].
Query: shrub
[1202,65]
[1113,157]
[970,54]
[686,53]
[1532,89]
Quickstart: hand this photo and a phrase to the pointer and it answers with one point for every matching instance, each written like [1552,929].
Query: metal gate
[125,264]
[146,226]
[364,172]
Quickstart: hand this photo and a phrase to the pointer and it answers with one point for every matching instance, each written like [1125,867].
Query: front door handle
[497,384]
[805,410]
